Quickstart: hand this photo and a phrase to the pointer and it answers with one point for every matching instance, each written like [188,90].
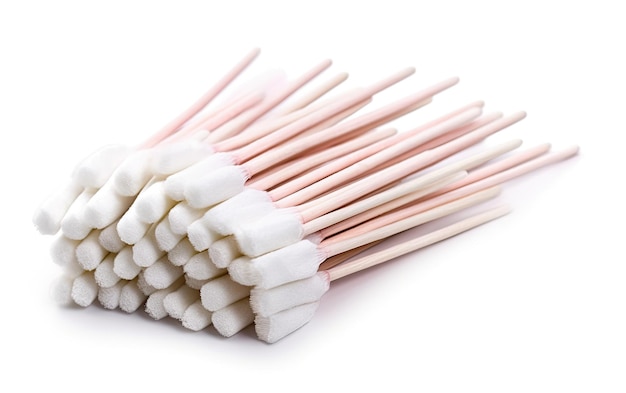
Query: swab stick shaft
[203,101]
[390,253]
[330,247]
[241,122]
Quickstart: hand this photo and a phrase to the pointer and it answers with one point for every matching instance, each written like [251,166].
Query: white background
[535,301]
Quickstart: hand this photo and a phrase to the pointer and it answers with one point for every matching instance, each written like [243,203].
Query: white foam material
[130,228]
[277,326]
[144,286]
[124,266]
[109,298]
[173,157]
[248,205]
[271,232]
[177,302]
[152,204]
[181,253]
[222,292]
[73,224]
[63,250]
[84,289]
[131,297]
[181,216]
[195,283]
[162,273]
[175,184]
[133,173]
[110,240]
[104,274]
[89,252]
[105,207]
[94,170]
[165,237]
[215,187]
[196,317]
[224,251]
[61,290]
[48,216]
[200,267]
[146,251]
[232,319]
[73,269]
[154,304]
[200,235]
[295,262]
[265,302]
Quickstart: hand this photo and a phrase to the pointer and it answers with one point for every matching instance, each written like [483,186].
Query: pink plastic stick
[491,181]
[314,95]
[240,123]
[474,176]
[406,247]
[371,157]
[289,131]
[330,247]
[175,124]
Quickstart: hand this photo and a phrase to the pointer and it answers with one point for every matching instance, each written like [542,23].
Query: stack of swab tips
[242,212]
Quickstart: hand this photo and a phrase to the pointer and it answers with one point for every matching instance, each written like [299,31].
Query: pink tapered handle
[373,157]
[289,131]
[314,95]
[473,176]
[242,122]
[390,253]
[330,247]
[291,169]
[175,124]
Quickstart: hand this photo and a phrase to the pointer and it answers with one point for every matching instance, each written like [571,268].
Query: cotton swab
[298,302]
[50,213]
[109,297]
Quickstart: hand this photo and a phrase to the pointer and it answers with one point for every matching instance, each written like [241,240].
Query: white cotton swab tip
[131,297]
[181,216]
[181,253]
[61,290]
[152,203]
[50,213]
[130,228]
[230,320]
[177,301]
[265,302]
[215,187]
[110,240]
[201,267]
[73,224]
[105,207]
[165,237]
[104,274]
[89,252]
[224,251]
[84,289]
[271,232]
[162,274]
[221,292]
[175,184]
[133,173]
[109,298]
[247,206]
[297,261]
[277,326]
[63,250]
[146,251]
[196,317]
[200,235]
[174,157]
[97,168]
[124,266]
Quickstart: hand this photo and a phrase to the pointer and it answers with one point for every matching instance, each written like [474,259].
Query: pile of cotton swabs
[243,213]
